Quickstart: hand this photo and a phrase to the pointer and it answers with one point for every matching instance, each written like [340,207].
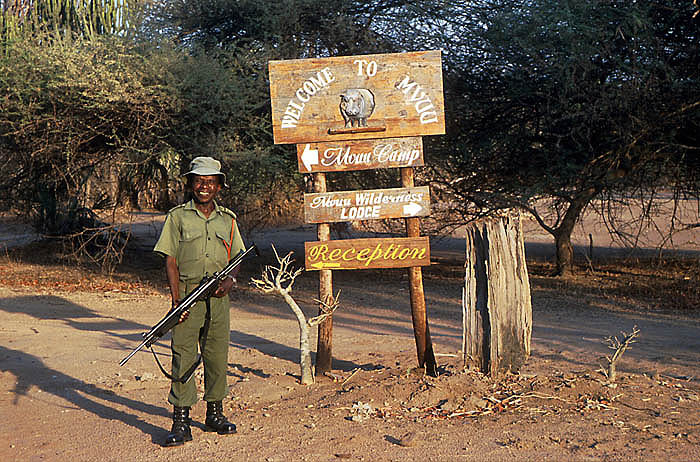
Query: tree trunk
[565,252]
[562,234]
[497,309]
[307,376]
[163,201]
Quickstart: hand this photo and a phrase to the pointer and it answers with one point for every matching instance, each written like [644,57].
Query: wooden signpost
[373,204]
[360,155]
[357,97]
[400,252]
[358,113]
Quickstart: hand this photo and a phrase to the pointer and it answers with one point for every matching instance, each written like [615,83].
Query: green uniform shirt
[201,246]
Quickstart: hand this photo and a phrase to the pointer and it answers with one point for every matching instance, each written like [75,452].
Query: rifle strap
[202,342]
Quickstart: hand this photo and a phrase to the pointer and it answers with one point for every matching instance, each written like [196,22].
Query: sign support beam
[424,345]
[324,346]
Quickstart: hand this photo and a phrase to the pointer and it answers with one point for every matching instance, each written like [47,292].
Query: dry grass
[46,265]
[659,285]
[650,284]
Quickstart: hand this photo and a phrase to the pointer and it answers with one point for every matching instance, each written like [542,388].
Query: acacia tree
[64,86]
[91,120]
[72,119]
[562,101]
[243,35]
[67,19]
[565,101]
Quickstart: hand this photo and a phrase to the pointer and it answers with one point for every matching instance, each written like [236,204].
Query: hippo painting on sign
[356,104]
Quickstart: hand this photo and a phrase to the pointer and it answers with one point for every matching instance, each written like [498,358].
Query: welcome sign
[357,97]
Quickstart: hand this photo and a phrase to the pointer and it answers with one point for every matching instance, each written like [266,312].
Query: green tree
[567,102]
[71,115]
[67,19]
[242,36]
[92,122]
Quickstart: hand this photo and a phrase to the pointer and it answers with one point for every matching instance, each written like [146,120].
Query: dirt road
[64,397]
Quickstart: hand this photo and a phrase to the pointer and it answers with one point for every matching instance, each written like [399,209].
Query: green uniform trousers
[184,343]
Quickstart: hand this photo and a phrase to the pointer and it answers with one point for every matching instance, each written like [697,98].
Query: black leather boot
[215,421]
[181,427]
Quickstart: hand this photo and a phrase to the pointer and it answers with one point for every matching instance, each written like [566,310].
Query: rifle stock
[204,290]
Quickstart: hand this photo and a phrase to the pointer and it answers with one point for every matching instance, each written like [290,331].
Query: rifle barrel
[136,350]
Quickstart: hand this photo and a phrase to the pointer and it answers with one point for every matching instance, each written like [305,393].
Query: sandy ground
[64,397]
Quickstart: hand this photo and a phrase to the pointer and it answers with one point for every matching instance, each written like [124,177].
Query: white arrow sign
[412,209]
[309,157]
[373,204]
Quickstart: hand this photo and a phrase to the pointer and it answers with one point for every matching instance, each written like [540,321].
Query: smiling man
[197,240]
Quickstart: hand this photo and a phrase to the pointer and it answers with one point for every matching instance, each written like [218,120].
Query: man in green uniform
[198,239]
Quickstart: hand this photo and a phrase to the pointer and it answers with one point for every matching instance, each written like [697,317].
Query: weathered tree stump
[496,304]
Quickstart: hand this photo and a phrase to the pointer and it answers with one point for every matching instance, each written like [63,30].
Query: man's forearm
[173,275]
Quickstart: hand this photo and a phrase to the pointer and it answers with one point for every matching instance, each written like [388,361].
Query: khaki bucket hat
[204,166]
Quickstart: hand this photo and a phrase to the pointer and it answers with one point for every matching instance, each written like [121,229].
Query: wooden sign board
[357,97]
[367,253]
[360,155]
[372,204]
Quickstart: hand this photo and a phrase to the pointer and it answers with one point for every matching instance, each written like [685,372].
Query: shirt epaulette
[176,207]
[227,211]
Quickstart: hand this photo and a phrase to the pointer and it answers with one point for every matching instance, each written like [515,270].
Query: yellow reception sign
[367,253]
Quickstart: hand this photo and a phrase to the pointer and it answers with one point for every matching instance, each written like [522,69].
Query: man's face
[205,188]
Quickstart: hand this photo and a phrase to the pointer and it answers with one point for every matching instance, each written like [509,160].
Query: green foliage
[572,86]
[104,122]
[264,189]
[72,115]
[66,19]
[568,101]
[278,30]
[233,40]
[551,99]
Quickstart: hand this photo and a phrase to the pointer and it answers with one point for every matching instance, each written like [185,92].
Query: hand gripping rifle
[203,291]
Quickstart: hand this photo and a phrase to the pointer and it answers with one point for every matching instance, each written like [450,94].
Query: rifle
[204,290]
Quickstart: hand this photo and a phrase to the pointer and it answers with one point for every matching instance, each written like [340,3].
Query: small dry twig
[327,307]
[620,346]
[357,369]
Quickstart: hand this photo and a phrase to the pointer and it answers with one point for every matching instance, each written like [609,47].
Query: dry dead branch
[619,347]
[280,280]
[327,306]
[357,369]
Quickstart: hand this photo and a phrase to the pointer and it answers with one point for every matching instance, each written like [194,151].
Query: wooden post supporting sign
[324,345]
[426,357]
[356,113]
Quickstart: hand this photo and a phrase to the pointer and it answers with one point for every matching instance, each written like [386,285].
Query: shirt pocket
[191,246]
